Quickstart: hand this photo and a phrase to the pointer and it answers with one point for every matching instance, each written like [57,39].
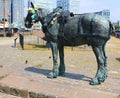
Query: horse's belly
[75,41]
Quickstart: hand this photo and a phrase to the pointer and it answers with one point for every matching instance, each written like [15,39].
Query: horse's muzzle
[28,25]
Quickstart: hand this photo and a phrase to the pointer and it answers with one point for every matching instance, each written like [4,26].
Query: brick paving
[29,80]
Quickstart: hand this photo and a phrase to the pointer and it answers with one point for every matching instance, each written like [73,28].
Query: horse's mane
[44,11]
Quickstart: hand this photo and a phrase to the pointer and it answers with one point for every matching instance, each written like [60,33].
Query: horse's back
[85,29]
[88,25]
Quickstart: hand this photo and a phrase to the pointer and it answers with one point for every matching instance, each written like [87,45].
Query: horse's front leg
[61,56]
[55,70]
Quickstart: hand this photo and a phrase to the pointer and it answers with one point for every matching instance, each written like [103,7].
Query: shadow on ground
[118,59]
[67,74]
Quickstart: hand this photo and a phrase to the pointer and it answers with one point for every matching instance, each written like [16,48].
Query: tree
[117,27]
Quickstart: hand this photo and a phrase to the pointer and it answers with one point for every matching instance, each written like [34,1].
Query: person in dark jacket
[21,39]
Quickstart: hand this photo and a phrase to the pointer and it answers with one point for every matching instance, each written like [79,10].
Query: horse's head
[31,17]
[34,15]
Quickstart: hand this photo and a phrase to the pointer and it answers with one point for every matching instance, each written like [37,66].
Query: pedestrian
[21,39]
[15,42]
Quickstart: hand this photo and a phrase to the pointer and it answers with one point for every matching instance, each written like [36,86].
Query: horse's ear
[71,14]
[32,5]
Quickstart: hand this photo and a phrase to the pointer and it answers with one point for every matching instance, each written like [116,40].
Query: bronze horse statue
[73,30]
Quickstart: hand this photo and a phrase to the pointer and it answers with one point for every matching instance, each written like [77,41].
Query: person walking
[15,42]
[21,39]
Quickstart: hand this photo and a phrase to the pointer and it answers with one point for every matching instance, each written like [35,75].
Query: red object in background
[9,14]
[2,22]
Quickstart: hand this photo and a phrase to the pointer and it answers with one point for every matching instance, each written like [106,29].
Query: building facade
[64,4]
[74,6]
[104,13]
[7,11]
[18,12]
[48,4]
[71,5]
[14,12]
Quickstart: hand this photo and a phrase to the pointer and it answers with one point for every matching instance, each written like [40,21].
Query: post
[4,16]
[9,20]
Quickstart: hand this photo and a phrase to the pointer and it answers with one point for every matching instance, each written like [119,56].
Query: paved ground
[29,80]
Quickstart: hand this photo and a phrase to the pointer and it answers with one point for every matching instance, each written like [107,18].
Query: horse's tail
[112,29]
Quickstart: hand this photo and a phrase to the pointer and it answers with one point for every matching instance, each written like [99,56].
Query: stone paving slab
[4,73]
[24,87]
[3,95]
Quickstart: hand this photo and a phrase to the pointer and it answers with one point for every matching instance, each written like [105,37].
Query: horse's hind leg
[100,75]
[105,59]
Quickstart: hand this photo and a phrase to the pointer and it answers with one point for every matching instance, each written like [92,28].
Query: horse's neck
[41,21]
[51,29]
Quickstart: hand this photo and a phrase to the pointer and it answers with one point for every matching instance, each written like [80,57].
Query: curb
[23,87]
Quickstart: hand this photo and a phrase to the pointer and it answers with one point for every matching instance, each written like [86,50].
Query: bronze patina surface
[63,28]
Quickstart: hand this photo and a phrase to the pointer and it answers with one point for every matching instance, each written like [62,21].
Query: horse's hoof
[105,76]
[62,74]
[52,75]
[62,71]
[101,79]
[94,81]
